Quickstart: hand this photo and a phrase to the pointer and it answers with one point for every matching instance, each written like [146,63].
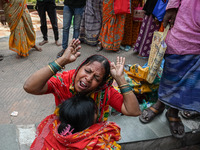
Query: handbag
[160,9]
[158,48]
[138,14]
[122,6]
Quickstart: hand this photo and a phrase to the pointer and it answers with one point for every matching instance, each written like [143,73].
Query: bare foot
[38,48]
[57,43]
[43,42]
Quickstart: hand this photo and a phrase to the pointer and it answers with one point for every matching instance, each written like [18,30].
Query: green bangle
[127,89]
[55,67]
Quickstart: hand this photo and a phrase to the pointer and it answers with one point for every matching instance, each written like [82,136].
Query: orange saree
[112,29]
[22,36]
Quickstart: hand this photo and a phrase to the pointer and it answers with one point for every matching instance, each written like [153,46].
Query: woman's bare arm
[37,82]
[130,106]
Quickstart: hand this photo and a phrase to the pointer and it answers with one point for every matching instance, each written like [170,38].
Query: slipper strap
[172,119]
[154,110]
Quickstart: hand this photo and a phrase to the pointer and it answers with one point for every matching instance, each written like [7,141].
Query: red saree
[99,136]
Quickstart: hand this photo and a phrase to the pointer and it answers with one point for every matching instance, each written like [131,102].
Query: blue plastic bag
[160,9]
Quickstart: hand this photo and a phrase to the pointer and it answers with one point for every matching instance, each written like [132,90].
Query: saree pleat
[112,30]
[22,36]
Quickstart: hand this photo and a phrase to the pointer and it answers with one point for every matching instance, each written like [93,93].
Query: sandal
[176,126]
[127,48]
[189,114]
[150,113]
[141,57]
[122,47]
[99,47]
[60,53]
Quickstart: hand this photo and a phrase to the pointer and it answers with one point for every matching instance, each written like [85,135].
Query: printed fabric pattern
[99,136]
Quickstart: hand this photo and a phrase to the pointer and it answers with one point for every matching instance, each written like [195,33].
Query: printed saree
[22,36]
[99,136]
[112,29]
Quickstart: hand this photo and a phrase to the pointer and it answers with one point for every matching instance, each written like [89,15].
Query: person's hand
[170,17]
[71,53]
[117,70]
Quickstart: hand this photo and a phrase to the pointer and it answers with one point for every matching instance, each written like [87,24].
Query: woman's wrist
[121,80]
[62,61]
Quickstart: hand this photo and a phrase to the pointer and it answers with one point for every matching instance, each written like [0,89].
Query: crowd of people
[87,90]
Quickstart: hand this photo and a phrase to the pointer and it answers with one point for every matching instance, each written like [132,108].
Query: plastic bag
[160,9]
[122,6]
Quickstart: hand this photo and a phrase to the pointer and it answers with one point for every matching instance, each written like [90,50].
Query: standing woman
[112,29]
[149,25]
[91,22]
[131,28]
[91,78]
[22,36]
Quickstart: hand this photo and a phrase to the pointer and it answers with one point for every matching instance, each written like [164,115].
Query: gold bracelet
[51,69]
[59,65]
[123,85]
[127,93]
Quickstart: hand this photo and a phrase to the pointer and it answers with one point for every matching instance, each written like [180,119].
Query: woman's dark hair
[78,112]
[101,59]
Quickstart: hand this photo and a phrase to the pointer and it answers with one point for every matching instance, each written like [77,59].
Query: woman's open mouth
[83,85]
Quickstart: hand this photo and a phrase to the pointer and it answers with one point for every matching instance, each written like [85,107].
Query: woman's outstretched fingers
[120,60]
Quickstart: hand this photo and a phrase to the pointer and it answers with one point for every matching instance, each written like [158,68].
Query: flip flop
[189,114]
[122,47]
[99,47]
[149,114]
[127,48]
[141,57]
[175,124]
[60,53]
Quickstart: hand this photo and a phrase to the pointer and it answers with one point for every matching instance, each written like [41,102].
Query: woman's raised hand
[71,53]
[117,70]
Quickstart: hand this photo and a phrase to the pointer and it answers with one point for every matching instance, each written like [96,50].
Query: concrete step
[155,135]
[152,136]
